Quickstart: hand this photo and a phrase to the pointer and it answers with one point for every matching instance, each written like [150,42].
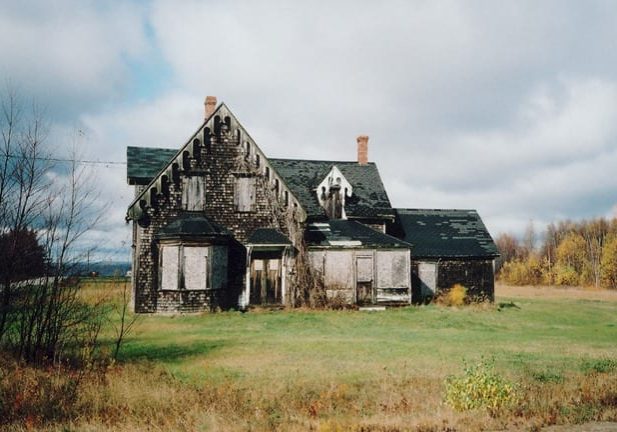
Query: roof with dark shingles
[191,225]
[369,198]
[446,233]
[340,230]
[268,236]
[143,163]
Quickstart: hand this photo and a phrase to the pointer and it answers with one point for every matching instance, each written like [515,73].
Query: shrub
[603,365]
[528,271]
[547,376]
[566,275]
[455,296]
[480,386]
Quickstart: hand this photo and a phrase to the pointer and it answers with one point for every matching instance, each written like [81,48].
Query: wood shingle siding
[217,224]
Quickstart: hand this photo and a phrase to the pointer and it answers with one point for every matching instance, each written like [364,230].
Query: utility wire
[82,161]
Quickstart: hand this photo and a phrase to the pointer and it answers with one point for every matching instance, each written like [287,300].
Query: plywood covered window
[339,269]
[194,193]
[393,269]
[195,267]
[184,267]
[244,194]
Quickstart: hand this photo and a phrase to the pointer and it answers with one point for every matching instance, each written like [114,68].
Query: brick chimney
[210,105]
[362,149]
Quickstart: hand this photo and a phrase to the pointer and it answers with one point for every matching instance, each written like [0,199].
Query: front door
[364,280]
[265,279]
[427,273]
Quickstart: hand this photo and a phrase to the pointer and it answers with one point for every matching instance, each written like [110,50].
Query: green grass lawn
[325,370]
[536,334]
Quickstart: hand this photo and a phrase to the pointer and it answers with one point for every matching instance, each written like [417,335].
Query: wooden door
[364,280]
[265,281]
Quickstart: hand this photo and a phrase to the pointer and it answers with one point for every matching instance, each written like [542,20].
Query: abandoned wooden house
[217,224]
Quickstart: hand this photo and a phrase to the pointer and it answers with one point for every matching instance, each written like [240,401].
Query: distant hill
[104,268]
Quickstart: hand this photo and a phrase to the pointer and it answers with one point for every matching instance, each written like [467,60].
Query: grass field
[349,370]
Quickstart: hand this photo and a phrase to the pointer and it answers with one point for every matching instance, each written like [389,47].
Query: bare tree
[126,321]
[529,239]
[23,187]
[41,315]
[595,232]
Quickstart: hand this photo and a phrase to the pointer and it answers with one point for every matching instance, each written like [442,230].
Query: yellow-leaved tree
[609,263]
[572,265]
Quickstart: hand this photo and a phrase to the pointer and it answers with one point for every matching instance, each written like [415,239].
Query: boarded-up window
[364,266]
[244,196]
[339,269]
[393,269]
[316,259]
[195,267]
[194,193]
[169,267]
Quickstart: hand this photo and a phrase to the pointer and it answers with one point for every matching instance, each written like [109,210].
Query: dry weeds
[144,395]
[554,292]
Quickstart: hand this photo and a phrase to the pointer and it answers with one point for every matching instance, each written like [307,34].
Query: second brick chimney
[210,105]
[362,149]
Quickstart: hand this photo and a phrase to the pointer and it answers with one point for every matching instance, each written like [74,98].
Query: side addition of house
[217,224]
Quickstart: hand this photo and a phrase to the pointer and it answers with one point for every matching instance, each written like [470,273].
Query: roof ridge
[151,148]
[320,160]
[436,209]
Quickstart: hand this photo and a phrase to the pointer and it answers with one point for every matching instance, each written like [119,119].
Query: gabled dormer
[331,193]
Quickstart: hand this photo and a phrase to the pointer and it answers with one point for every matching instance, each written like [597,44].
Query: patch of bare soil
[587,427]
[552,292]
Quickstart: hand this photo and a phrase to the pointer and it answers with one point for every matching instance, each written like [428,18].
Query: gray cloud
[71,55]
[503,107]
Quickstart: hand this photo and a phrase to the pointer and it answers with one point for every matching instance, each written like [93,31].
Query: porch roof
[268,236]
[352,234]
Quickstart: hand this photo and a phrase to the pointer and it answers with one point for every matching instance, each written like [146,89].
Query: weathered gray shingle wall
[220,163]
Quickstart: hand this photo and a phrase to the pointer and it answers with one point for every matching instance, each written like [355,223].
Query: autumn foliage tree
[572,253]
[608,263]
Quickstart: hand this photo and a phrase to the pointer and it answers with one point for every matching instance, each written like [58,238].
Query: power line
[82,161]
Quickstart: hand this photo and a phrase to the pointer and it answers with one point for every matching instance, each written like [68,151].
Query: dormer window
[331,193]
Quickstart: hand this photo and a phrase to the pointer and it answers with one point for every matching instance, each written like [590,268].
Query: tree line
[582,253]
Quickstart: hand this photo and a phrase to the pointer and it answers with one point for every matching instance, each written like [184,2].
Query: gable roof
[369,197]
[142,200]
[143,163]
[446,233]
[340,232]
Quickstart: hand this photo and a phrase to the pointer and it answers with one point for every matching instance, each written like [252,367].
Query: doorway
[427,273]
[265,278]
[364,280]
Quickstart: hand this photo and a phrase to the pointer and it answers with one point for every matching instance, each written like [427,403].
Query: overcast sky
[506,107]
